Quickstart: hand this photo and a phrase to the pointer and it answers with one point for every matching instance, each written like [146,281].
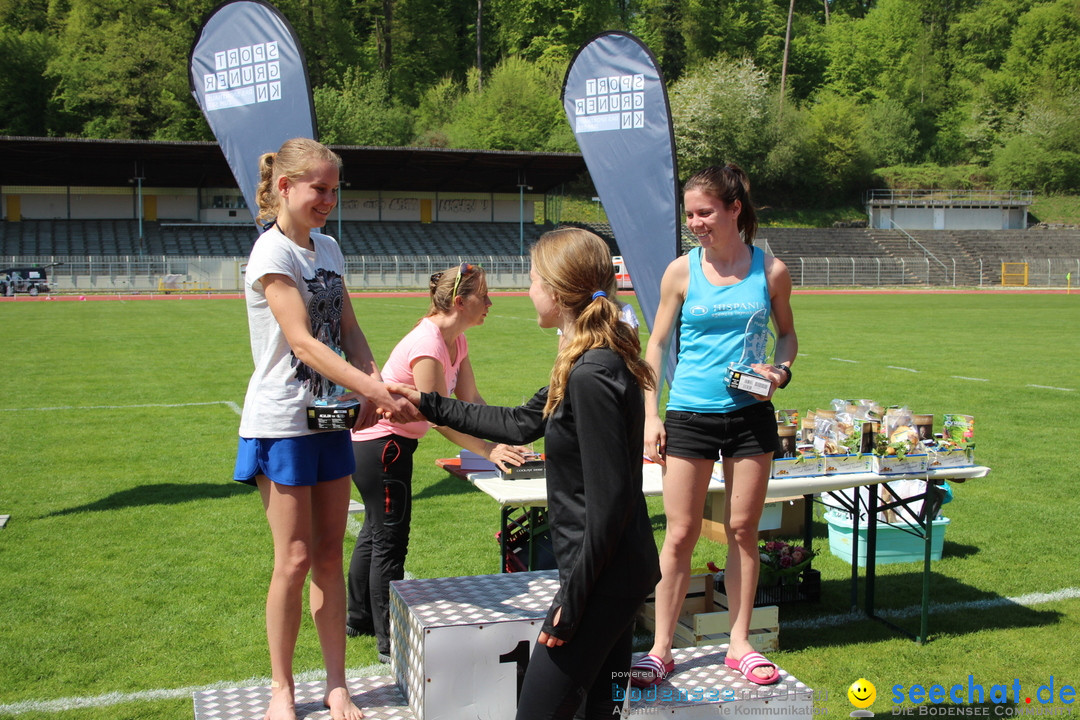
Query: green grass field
[134,570]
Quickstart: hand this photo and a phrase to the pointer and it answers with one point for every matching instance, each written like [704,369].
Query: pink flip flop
[650,670]
[750,662]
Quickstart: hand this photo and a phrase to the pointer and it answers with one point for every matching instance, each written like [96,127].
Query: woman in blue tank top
[709,296]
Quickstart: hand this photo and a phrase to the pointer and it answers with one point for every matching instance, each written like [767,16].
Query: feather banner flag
[249,77]
[615,99]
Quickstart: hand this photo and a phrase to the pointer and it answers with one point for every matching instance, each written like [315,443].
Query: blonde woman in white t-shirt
[433,357]
[299,315]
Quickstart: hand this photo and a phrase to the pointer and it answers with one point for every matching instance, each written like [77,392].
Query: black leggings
[580,676]
[384,478]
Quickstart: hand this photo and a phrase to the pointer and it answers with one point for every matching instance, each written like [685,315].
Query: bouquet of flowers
[781,561]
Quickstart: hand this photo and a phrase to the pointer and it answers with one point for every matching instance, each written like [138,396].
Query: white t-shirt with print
[282,387]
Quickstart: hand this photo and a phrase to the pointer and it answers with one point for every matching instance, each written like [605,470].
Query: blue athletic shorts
[304,460]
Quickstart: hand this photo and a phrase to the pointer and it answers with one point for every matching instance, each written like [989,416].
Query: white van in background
[622,275]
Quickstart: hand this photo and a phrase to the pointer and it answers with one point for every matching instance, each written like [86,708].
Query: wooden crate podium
[704,620]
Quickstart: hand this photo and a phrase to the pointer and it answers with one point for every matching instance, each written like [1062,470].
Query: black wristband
[787,370]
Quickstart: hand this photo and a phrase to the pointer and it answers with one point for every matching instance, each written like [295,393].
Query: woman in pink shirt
[433,357]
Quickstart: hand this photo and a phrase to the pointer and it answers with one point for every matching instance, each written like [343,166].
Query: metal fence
[166,273]
[890,272]
[388,272]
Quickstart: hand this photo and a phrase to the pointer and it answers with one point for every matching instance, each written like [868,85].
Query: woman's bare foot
[737,650]
[282,702]
[341,705]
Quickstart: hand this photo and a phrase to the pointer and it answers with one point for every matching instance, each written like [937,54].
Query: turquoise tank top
[712,325]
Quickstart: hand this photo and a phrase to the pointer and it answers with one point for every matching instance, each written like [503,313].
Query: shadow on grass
[955,609]
[952,549]
[448,486]
[158,494]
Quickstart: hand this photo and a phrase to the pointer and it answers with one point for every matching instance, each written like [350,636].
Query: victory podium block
[460,646]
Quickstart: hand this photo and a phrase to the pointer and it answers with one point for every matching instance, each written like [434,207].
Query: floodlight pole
[521,216]
[139,207]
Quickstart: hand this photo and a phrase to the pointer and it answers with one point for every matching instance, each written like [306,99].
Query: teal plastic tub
[894,544]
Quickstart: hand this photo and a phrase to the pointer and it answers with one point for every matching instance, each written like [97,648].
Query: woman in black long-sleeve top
[592,416]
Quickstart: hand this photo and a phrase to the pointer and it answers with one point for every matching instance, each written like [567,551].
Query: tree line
[817,99]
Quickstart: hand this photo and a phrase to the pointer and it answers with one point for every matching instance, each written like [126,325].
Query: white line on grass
[228,403]
[914,610]
[961,377]
[1051,387]
[843,360]
[894,367]
[116,698]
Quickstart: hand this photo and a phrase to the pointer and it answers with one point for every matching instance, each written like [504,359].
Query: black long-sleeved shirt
[600,529]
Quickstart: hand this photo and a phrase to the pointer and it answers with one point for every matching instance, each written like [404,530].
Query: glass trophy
[740,374]
[330,411]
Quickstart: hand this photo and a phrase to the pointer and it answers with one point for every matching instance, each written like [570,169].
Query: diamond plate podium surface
[378,697]
[459,644]
[702,686]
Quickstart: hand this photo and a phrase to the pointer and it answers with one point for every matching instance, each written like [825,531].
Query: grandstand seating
[121,237]
[946,256]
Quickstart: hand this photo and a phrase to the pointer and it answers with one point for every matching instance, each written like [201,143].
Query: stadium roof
[62,162]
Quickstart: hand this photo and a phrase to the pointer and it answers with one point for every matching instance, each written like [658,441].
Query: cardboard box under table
[781,518]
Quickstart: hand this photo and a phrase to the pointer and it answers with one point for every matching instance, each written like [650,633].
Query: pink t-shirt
[424,341]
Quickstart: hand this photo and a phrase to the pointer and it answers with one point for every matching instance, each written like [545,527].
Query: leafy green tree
[517,109]
[1045,155]
[730,27]
[21,15]
[865,55]
[551,31]
[121,65]
[807,59]
[327,34]
[435,111]
[835,124]
[721,111]
[1040,62]
[982,35]
[432,39]
[25,97]
[790,174]
[1045,49]
[362,112]
[658,23]
[889,136]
